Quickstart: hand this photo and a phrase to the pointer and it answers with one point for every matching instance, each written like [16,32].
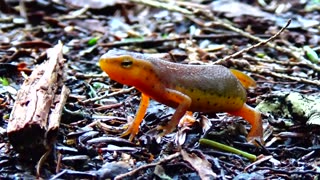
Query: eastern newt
[200,88]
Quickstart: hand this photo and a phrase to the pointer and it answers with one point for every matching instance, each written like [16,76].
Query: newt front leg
[181,99]
[133,128]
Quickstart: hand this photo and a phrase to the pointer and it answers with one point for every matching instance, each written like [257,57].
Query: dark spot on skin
[229,97]
[215,104]
[153,86]
[147,78]
[191,90]
[208,102]
[198,99]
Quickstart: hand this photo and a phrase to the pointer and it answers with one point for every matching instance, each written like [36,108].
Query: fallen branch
[35,118]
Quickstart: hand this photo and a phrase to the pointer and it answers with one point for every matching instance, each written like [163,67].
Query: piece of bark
[35,117]
[292,106]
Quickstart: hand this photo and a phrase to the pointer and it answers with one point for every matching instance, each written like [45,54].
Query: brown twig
[285,63]
[87,76]
[261,43]
[168,6]
[161,41]
[284,76]
[108,95]
[168,158]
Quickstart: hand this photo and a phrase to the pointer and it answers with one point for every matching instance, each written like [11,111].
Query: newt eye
[126,63]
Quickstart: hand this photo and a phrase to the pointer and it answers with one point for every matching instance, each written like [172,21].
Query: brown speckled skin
[205,88]
[212,88]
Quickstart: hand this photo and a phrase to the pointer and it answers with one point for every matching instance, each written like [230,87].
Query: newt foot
[165,129]
[132,131]
[256,140]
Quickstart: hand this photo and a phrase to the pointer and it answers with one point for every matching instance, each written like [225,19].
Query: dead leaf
[201,165]
[159,171]
[236,9]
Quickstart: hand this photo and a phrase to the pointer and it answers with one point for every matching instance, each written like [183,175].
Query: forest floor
[88,143]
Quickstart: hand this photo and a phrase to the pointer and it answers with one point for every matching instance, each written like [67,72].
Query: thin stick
[284,76]
[168,6]
[261,43]
[168,158]
[108,95]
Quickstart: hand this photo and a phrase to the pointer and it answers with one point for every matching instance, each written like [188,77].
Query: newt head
[124,68]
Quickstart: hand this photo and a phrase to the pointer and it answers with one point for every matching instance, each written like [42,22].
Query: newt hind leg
[254,118]
[183,102]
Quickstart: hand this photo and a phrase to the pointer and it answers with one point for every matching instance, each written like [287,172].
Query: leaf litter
[183,32]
